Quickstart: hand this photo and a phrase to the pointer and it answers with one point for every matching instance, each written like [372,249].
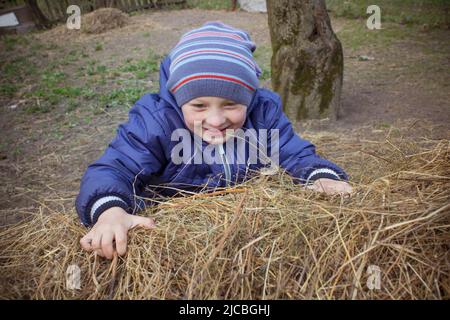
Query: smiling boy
[209,88]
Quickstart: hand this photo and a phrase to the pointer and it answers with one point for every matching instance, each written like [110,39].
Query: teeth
[216,130]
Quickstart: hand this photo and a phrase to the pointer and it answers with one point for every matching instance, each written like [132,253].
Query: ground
[63,93]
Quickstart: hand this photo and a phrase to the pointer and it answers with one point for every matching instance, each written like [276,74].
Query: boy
[209,90]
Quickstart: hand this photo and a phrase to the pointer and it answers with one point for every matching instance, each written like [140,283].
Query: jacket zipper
[225,164]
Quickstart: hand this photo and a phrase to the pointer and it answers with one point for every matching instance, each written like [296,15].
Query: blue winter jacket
[137,163]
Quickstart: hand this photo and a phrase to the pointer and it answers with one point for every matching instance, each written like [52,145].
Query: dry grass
[104,19]
[265,239]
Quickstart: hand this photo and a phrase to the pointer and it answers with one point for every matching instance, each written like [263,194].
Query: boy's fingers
[143,222]
[107,245]
[311,187]
[96,244]
[86,242]
[330,188]
[121,242]
[346,188]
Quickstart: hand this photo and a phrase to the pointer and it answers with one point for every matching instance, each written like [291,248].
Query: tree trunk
[234,5]
[307,62]
[40,19]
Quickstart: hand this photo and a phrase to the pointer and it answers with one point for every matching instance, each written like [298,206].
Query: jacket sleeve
[121,173]
[296,155]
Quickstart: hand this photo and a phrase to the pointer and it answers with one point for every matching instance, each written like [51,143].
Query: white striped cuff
[321,170]
[101,202]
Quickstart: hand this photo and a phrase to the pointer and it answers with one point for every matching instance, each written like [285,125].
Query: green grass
[18,69]
[58,135]
[98,47]
[51,91]
[142,68]
[87,119]
[88,93]
[72,105]
[16,151]
[45,99]
[12,41]
[72,79]
[68,92]
[91,68]
[355,35]
[70,57]
[262,55]
[52,87]
[36,47]
[210,4]
[434,13]
[122,97]
[51,78]
[8,89]
[37,108]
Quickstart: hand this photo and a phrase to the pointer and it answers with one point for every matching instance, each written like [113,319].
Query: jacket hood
[164,93]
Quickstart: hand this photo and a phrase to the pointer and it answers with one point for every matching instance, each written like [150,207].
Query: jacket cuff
[322,173]
[103,204]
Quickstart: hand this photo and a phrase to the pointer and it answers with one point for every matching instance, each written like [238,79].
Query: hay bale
[264,239]
[102,20]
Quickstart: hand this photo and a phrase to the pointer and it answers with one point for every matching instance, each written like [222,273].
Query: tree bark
[234,5]
[40,19]
[307,61]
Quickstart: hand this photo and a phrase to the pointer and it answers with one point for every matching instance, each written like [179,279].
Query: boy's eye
[198,105]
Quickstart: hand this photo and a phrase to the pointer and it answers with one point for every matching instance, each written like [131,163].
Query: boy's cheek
[190,117]
[196,126]
[192,123]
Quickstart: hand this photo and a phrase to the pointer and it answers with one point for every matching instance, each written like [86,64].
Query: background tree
[307,62]
[40,19]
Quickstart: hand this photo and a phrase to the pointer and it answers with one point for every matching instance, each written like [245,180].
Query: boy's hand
[113,225]
[331,186]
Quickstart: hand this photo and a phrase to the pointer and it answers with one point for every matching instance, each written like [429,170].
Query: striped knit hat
[214,60]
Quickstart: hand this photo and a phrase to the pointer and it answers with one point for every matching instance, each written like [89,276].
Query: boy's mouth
[214,131]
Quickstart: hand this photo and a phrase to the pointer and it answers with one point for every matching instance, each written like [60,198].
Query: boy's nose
[216,120]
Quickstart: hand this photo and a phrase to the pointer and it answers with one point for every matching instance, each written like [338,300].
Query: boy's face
[210,117]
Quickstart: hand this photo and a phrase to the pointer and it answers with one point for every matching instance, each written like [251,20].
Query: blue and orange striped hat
[214,60]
